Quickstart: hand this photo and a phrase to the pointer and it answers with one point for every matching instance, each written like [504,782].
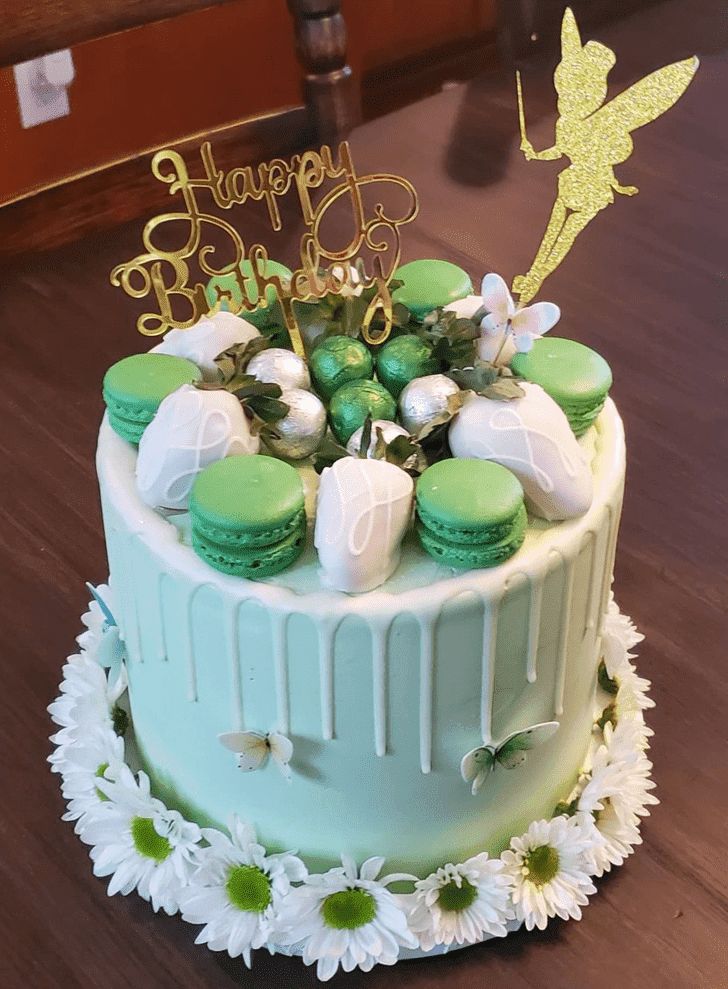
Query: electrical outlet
[42,87]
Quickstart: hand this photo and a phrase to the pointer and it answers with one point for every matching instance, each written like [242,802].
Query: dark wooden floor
[647,287]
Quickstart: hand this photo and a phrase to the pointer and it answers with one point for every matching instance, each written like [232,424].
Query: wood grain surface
[646,287]
[38,27]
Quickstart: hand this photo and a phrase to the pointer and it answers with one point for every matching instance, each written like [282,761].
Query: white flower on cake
[621,627]
[101,639]
[617,795]
[549,868]
[507,321]
[236,891]
[206,340]
[98,755]
[191,430]
[477,765]
[462,903]
[629,735]
[346,917]
[87,697]
[364,508]
[632,690]
[141,844]
[532,437]
[497,350]
[351,287]
[253,748]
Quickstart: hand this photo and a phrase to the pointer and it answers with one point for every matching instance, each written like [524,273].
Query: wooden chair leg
[330,90]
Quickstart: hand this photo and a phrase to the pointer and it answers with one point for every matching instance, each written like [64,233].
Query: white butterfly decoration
[253,748]
[504,317]
[477,765]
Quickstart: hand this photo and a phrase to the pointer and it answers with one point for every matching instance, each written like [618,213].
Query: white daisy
[87,698]
[236,891]
[505,320]
[462,903]
[99,754]
[621,671]
[346,918]
[621,626]
[549,869]
[617,794]
[141,844]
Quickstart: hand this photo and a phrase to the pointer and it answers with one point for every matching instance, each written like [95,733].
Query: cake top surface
[168,535]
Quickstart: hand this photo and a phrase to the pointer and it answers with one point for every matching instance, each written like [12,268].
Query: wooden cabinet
[138,89]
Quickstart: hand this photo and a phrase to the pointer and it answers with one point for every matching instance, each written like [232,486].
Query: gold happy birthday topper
[594,138]
[167,272]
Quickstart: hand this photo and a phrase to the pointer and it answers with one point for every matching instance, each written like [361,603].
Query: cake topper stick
[593,137]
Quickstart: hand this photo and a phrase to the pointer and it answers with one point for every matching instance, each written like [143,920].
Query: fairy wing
[250,746]
[512,752]
[647,99]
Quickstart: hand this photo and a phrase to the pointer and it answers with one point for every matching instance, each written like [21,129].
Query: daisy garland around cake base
[242,898]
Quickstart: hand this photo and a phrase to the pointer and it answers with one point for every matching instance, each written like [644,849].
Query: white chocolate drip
[327,633]
[379,634]
[278,625]
[232,635]
[490,638]
[534,625]
[189,647]
[428,625]
[561,649]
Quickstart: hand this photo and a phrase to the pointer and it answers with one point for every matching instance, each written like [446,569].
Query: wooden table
[647,288]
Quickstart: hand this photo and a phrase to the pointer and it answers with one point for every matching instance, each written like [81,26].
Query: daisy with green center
[236,891]
[462,904]
[346,917]
[141,844]
[98,754]
[549,869]
[87,698]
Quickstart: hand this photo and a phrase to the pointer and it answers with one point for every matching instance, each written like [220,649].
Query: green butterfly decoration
[477,765]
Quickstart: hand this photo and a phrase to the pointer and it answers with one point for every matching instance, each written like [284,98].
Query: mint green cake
[390,659]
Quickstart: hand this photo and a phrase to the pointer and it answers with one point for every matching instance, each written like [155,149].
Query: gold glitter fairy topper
[593,137]
[324,267]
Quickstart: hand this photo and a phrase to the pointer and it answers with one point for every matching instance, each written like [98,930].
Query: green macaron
[470,513]
[223,287]
[248,516]
[429,284]
[576,377]
[135,387]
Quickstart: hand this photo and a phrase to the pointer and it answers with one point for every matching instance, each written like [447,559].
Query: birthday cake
[357,688]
